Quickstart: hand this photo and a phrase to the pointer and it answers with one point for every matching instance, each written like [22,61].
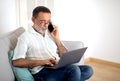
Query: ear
[33,19]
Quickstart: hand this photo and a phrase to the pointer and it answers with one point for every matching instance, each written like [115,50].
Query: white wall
[7,16]
[95,22]
[108,45]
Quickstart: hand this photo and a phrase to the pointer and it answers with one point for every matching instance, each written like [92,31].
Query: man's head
[41,18]
[40,9]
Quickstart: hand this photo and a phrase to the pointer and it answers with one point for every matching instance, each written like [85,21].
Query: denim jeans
[68,73]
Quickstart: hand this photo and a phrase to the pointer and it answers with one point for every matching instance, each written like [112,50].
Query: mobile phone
[50,27]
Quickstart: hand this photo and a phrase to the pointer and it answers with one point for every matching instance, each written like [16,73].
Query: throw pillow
[21,74]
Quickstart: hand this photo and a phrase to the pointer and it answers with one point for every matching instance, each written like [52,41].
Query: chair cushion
[8,42]
[14,36]
[21,74]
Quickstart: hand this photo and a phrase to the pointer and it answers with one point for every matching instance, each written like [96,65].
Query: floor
[103,72]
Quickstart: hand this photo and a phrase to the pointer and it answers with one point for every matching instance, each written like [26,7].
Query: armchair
[8,43]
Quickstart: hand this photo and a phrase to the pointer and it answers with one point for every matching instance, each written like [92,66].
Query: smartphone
[50,27]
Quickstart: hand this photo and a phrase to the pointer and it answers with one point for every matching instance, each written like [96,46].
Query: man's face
[41,22]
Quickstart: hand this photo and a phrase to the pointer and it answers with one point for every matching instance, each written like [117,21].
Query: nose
[46,24]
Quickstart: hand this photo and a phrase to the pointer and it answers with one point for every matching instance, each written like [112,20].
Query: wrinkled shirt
[33,46]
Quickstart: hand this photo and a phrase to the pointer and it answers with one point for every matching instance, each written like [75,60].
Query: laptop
[68,58]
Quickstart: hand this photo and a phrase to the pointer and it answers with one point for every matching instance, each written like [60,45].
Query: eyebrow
[45,20]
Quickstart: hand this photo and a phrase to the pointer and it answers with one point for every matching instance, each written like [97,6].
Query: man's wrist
[58,42]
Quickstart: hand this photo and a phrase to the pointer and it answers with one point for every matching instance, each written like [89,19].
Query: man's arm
[61,48]
[25,63]
[55,35]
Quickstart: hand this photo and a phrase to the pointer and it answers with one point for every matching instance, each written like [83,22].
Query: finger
[55,27]
[53,61]
[47,63]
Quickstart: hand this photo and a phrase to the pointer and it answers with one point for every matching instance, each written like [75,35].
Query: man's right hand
[50,62]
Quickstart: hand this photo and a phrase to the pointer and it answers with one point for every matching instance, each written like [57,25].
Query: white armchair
[8,43]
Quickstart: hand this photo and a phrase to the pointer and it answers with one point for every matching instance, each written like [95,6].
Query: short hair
[40,9]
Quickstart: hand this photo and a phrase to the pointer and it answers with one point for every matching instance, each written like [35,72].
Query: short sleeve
[21,48]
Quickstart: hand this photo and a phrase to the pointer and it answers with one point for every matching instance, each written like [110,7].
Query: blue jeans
[68,73]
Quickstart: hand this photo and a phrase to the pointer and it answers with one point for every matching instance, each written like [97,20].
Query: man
[38,47]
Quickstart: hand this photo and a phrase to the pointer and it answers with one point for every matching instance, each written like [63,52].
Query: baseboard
[91,59]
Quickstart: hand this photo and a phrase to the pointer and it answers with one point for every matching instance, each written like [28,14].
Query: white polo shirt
[32,45]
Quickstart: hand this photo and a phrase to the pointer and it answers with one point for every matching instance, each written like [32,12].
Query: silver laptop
[69,57]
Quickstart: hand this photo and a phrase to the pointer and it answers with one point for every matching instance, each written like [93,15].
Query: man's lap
[60,74]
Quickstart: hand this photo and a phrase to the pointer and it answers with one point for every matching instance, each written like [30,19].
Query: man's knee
[74,68]
[86,71]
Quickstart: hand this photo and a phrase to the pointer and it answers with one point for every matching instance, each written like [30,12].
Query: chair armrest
[72,45]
